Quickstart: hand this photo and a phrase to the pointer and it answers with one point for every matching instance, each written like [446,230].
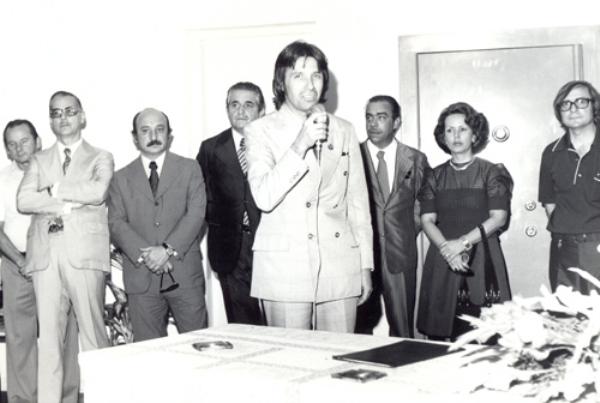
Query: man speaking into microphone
[313,251]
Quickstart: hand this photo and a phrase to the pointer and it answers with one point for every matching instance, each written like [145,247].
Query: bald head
[151,132]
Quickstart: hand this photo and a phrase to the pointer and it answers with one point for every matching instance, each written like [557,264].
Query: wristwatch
[466,243]
[170,250]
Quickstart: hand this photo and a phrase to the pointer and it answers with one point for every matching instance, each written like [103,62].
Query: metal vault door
[512,78]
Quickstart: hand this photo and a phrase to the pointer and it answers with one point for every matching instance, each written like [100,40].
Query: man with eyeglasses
[231,213]
[569,186]
[67,248]
[156,210]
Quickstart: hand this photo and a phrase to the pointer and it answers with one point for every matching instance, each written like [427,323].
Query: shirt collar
[73,147]
[389,150]
[237,138]
[564,142]
[159,163]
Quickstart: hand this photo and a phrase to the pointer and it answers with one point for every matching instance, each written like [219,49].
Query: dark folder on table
[397,354]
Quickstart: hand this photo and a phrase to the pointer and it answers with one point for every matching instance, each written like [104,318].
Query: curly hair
[475,120]
[564,91]
[287,59]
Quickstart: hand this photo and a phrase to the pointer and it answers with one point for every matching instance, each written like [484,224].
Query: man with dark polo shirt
[569,186]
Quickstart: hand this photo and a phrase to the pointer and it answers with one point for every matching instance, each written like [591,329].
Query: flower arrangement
[116,315]
[548,346]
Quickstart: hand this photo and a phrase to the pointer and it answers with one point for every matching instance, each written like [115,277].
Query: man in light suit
[67,248]
[396,174]
[231,213]
[313,247]
[156,210]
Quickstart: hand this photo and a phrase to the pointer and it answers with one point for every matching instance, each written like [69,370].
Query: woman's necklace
[461,166]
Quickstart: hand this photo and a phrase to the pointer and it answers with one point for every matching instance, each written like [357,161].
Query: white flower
[530,329]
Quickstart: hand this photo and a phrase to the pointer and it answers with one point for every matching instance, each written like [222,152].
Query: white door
[512,78]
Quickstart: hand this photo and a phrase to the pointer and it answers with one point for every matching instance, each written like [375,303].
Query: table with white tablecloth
[266,364]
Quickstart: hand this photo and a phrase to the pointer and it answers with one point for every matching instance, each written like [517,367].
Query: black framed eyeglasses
[59,113]
[580,103]
[168,284]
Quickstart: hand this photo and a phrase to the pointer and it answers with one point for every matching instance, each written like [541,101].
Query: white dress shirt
[237,139]
[15,223]
[73,147]
[389,156]
[159,164]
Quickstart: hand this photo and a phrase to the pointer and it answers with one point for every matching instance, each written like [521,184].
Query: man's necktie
[241,154]
[67,160]
[382,175]
[153,178]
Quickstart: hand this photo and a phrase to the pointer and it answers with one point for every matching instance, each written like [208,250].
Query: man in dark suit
[231,214]
[155,212]
[395,175]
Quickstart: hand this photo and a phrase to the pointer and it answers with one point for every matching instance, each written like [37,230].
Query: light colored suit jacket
[137,219]
[86,227]
[315,233]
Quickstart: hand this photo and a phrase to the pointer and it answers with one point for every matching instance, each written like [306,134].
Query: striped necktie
[67,161]
[241,154]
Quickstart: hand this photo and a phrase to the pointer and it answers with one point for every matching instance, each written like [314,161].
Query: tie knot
[380,154]
[243,143]
[68,152]
[153,166]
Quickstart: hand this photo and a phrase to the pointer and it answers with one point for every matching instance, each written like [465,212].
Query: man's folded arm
[33,200]
[90,191]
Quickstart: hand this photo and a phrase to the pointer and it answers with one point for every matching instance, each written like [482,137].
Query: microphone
[319,108]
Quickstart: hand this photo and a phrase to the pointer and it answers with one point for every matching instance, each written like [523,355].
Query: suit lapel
[55,167]
[168,174]
[226,152]
[372,174]
[79,161]
[331,152]
[404,165]
[137,177]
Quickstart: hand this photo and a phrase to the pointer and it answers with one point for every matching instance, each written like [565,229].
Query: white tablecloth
[266,365]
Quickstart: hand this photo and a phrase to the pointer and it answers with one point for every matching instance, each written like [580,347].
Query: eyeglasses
[59,113]
[580,103]
[166,286]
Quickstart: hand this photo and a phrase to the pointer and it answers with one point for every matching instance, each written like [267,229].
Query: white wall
[121,56]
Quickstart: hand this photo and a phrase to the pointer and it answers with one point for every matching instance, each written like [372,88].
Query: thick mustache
[154,143]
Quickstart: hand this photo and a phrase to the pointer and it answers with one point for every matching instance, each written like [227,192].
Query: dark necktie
[241,154]
[67,160]
[153,178]
[382,175]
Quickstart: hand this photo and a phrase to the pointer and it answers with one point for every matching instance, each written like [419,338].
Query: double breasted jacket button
[308,204]
[337,234]
[310,236]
